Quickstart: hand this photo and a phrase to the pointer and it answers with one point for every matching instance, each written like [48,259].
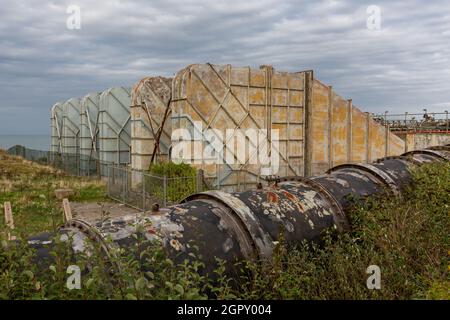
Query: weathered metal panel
[339,129]
[418,140]
[114,126]
[71,126]
[225,97]
[56,127]
[89,144]
[397,145]
[342,133]
[321,128]
[377,140]
[149,106]
[359,136]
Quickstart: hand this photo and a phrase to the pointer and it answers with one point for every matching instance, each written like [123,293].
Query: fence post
[67,210]
[97,167]
[446,121]
[165,191]
[9,221]
[143,190]
[108,177]
[199,181]
[124,184]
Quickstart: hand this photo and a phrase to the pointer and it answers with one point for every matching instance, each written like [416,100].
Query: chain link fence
[74,164]
[143,190]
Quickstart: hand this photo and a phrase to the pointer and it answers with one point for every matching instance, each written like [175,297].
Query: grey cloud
[403,67]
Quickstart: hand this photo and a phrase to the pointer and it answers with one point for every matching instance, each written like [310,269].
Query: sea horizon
[31,141]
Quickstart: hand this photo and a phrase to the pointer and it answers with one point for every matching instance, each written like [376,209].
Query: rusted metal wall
[150,99]
[417,140]
[227,97]
[341,133]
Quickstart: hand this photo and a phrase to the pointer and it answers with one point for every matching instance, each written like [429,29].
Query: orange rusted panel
[359,136]
[422,140]
[320,127]
[339,129]
[396,145]
[342,135]
[225,97]
[377,140]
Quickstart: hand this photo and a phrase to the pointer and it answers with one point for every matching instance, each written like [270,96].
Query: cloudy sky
[403,66]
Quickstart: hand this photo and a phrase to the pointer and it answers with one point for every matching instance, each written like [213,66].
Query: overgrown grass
[30,189]
[407,238]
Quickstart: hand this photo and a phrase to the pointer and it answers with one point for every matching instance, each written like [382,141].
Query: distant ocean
[36,142]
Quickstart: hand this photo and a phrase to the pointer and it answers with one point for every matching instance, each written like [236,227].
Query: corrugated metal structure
[71,126]
[89,143]
[317,128]
[150,121]
[56,117]
[114,127]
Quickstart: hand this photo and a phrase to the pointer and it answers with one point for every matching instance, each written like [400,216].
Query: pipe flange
[261,240]
[378,174]
[402,157]
[93,234]
[340,217]
[440,148]
[434,153]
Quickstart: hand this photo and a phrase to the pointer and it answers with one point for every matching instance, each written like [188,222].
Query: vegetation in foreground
[30,187]
[407,238]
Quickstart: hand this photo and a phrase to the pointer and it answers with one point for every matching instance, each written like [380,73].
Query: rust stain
[295,200]
[151,230]
[272,197]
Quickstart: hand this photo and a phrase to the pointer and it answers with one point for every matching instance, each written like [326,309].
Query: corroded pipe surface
[247,225]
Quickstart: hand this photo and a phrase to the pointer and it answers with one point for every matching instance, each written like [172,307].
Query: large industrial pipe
[248,225]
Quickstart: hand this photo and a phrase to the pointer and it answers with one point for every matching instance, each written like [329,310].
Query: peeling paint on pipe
[248,225]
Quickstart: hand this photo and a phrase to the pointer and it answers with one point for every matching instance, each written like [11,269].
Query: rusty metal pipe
[248,225]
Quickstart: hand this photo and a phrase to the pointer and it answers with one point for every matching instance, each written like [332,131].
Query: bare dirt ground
[91,211]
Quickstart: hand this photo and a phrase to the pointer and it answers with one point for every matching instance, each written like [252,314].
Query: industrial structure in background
[328,149]
[89,131]
[151,126]
[318,129]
